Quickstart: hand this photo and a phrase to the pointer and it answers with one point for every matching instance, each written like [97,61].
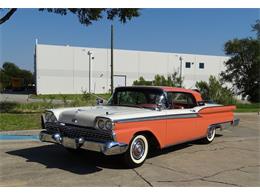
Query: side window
[169,97]
[180,100]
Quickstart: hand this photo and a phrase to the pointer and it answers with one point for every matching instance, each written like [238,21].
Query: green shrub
[172,80]
[214,91]
[64,99]
[142,81]
[86,96]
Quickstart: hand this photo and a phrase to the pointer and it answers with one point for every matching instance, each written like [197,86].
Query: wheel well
[152,140]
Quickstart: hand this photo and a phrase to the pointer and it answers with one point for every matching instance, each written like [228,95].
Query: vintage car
[134,120]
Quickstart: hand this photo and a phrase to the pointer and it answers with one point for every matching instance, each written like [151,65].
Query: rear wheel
[137,152]
[210,135]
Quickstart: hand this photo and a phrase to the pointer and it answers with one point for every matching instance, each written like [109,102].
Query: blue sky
[199,31]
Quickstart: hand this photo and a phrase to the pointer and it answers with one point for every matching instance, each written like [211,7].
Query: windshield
[137,97]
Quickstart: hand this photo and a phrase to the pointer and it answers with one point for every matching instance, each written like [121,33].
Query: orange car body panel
[182,130]
[125,131]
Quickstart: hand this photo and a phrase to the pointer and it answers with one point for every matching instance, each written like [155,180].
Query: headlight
[108,125]
[105,124]
[101,123]
[50,117]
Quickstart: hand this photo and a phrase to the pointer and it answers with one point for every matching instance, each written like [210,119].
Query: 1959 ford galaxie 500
[136,118]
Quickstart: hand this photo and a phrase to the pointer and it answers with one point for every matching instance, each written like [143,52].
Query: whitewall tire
[210,135]
[137,151]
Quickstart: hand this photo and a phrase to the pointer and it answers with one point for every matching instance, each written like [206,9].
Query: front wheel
[137,152]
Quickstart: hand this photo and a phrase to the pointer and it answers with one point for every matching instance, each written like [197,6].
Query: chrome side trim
[108,148]
[162,117]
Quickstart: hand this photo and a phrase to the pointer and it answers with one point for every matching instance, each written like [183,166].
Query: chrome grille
[73,131]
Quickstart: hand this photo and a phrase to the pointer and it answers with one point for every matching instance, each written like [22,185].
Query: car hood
[85,116]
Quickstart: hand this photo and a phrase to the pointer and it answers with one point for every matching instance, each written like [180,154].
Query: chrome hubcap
[138,149]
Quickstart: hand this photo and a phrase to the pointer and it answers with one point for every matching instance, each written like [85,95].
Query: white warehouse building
[66,69]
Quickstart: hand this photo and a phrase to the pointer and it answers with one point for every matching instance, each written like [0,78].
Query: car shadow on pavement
[158,152]
[55,156]
[82,162]
[177,147]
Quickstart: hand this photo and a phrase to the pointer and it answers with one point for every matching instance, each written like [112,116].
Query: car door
[182,120]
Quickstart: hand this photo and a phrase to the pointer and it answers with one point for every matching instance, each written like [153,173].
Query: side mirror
[201,103]
[99,101]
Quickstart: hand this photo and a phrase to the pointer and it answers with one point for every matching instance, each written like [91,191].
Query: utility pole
[112,59]
[180,67]
[89,71]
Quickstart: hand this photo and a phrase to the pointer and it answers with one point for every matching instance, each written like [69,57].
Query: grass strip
[11,121]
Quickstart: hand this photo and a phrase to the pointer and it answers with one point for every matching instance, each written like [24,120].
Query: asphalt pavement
[233,159]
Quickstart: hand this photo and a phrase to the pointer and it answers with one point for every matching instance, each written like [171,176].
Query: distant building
[65,69]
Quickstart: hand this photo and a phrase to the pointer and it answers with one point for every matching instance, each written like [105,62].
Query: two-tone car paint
[169,126]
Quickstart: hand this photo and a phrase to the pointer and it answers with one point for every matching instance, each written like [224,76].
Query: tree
[243,68]
[204,89]
[142,81]
[215,91]
[10,70]
[160,80]
[256,27]
[86,15]
[7,15]
[172,80]
[175,80]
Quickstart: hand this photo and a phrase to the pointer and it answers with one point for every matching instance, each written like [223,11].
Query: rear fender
[216,115]
[217,109]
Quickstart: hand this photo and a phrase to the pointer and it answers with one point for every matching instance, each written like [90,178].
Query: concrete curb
[21,132]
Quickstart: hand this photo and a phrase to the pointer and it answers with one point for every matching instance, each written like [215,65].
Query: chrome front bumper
[108,148]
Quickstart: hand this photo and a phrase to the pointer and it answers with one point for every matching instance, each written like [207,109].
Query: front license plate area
[69,143]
